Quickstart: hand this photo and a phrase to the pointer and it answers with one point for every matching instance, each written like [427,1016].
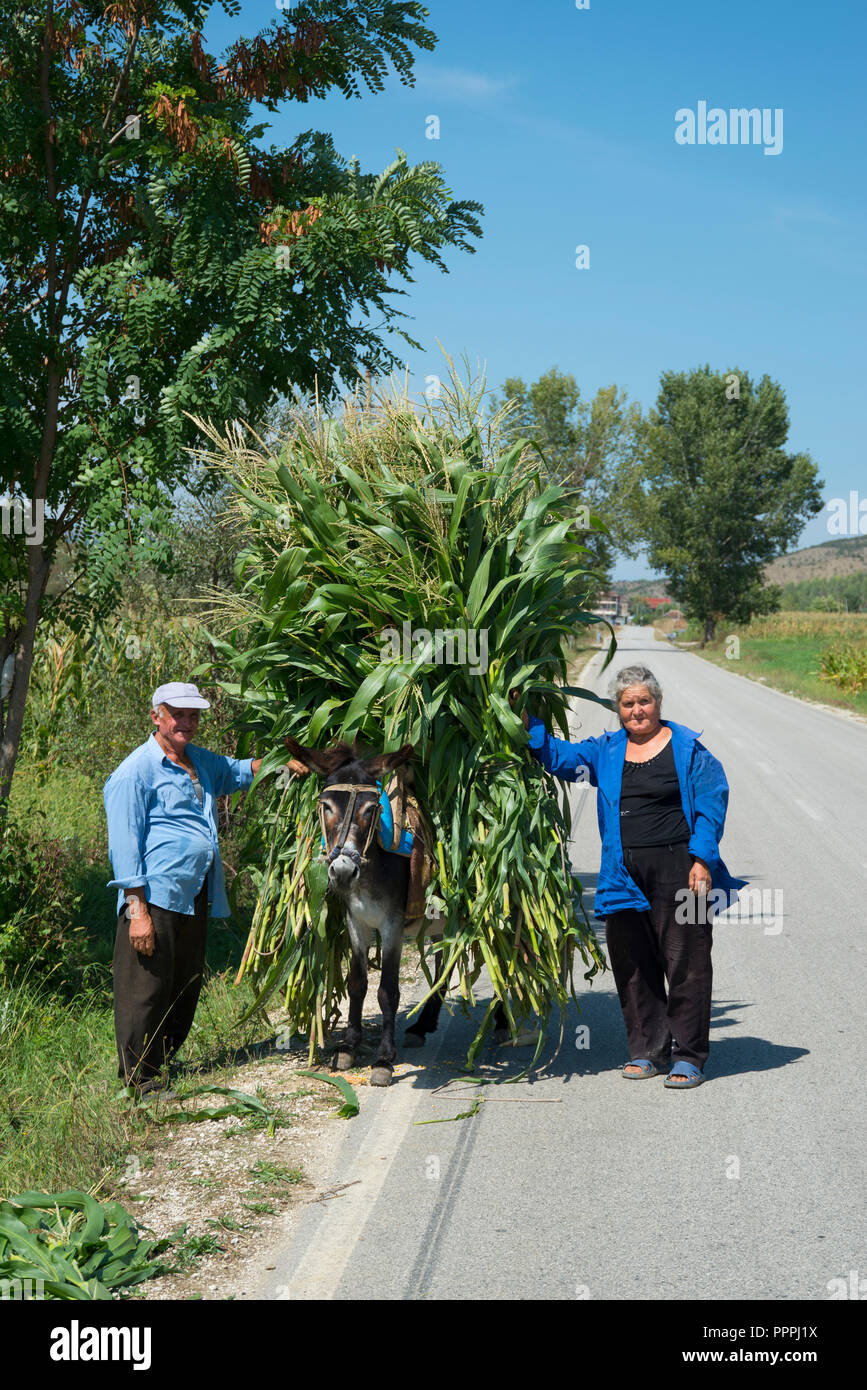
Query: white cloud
[805,212]
[461,83]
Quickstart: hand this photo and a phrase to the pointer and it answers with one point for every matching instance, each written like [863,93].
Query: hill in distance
[832,559]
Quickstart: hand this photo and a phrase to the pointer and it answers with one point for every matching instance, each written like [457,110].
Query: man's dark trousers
[155,997]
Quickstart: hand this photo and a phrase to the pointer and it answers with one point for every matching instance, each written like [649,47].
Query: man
[162,841]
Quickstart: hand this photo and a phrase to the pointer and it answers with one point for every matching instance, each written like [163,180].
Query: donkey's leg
[429,1017]
[501,1025]
[357,984]
[389,998]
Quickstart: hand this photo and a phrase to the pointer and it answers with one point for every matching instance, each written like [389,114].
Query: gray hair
[635,675]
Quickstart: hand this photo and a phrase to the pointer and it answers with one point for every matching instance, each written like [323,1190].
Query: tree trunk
[38,569]
[709,630]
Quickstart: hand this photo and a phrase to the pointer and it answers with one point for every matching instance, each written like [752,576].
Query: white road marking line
[810,810]
[321,1268]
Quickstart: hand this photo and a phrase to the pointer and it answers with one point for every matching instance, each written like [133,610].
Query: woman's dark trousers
[155,997]
[646,948]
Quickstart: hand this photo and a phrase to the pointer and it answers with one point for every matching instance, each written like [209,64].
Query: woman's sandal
[685,1069]
[647,1069]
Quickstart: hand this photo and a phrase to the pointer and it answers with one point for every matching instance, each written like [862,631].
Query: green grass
[785,651]
[71,800]
[60,1124]
[188,1249]
[268,1172]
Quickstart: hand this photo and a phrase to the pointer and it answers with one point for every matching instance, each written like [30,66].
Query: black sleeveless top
[651,811]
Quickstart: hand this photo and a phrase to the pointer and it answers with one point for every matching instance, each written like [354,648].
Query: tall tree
[156,260]
[724,496]
[595,446]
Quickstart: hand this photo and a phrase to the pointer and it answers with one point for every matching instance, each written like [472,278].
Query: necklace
[640,762]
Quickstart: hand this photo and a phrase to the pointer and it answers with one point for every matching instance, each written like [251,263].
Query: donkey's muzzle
[344,866]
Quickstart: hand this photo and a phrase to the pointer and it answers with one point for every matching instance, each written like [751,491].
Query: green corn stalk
[356,527]
[80,1248]
[846,666]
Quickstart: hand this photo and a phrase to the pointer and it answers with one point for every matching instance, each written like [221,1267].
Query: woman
[661,809]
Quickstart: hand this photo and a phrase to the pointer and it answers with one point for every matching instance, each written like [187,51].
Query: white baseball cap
[180,695]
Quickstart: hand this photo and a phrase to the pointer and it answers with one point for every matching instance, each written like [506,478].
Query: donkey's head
[349,803]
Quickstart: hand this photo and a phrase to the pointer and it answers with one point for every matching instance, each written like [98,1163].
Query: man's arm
[293,765]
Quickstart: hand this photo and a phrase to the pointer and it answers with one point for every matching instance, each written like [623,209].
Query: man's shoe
[158,1085]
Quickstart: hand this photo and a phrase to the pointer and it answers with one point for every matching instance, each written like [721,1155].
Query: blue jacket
[159,838]
[704,792]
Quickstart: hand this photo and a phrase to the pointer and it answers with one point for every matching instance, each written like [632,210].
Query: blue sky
[561,122]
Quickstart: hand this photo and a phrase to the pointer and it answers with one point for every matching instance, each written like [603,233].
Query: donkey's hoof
[380,1076]
[411,1039]
[344,1060]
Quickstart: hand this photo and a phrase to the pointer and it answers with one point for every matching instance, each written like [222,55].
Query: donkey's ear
[387,762]
[321,760]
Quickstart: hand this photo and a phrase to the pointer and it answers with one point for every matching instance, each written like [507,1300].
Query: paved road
[748,1187]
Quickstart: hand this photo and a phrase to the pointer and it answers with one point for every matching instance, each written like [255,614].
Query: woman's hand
[699,878]
[513,695]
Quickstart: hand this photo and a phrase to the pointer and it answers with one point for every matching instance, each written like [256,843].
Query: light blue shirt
[159,837]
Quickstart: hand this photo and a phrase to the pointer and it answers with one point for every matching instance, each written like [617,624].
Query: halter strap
[338,847]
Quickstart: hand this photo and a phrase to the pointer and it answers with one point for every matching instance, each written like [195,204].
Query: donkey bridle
[338,847]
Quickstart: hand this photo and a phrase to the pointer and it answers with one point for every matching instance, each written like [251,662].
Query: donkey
[373,884]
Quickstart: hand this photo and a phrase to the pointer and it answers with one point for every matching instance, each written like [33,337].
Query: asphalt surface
[749,1186]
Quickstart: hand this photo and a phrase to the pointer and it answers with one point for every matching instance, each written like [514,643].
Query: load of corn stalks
[404,572]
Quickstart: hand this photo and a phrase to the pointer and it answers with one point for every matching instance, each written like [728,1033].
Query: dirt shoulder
[237,1189]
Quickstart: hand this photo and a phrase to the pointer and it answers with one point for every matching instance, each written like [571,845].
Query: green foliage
[361,526]
[846,593]
[239,1103]
[786,651]
[79,1248]
[349,1109]
[169,265]
[38,909]
[846,666]
[90,692]
[725,497]
[60,1123]
[594,447]
[174,274]
[186,1250]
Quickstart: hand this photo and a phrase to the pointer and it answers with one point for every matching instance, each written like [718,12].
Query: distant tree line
[704,480]
[840,592]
